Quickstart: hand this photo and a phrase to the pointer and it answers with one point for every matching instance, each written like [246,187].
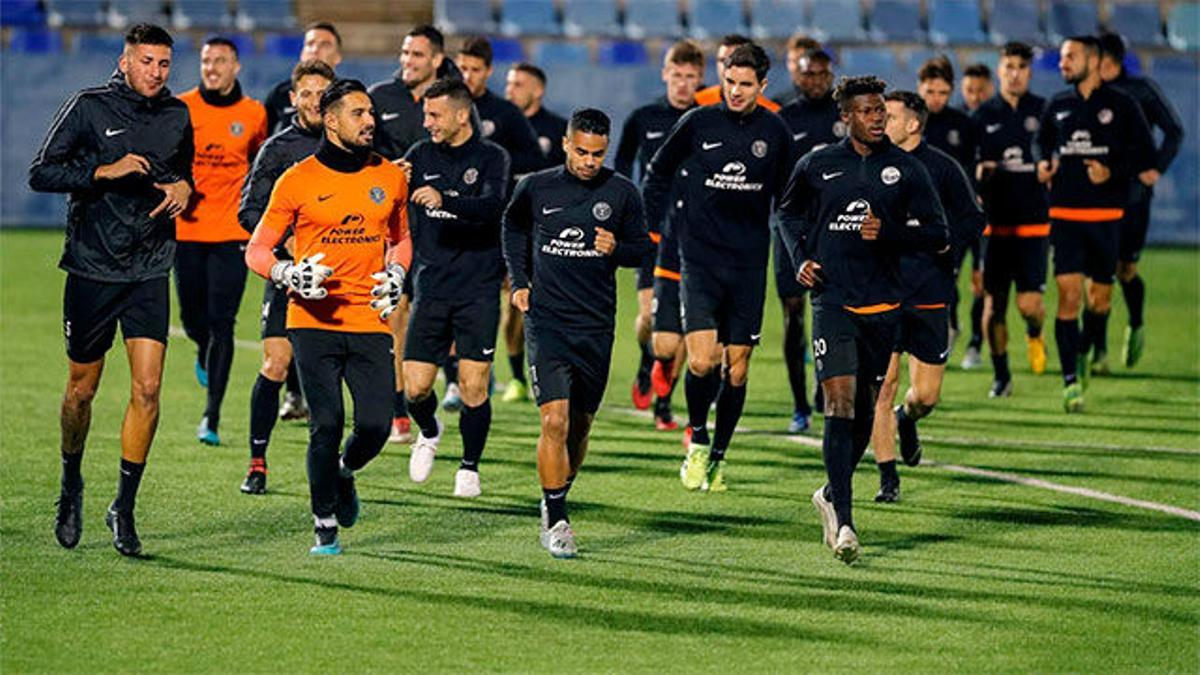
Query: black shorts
[1086,248]
[845,343]
[469,325]
[645,275]
[568,365]
[1134,226]
[274,312]
[724,299]
[665,306]
[785,272]
[1019,261]
[925,334]
[92,310]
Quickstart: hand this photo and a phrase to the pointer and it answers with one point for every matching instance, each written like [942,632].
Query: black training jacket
[278,154]
[503,123]
[814,123]
[644,132]
[1011,193]
[550,130]
[110,236]
[399,118]
[952,132]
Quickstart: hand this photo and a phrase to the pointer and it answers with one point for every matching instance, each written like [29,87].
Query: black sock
[700,392]
[72,475]
[1066,334]
[399,405]
[1095,330]
[264,409]
[517,363]
[954,310]
[647,362]
[977,323]
[730,403]
[863,423]
[1135,299]
[473,424]
[127,486]
[1033,328]
[887,473]
[556,504]
[450,368]
[424,413]
[793,355]
[1000,366]
[837,447]
[570,482]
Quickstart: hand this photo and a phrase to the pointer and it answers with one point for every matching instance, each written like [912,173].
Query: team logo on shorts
[953,138]
[758,149]
[839,128]
[489,128]
[602,211]
[890,175]
[377,195]
[470,176]
[1032,124]
[1105,116]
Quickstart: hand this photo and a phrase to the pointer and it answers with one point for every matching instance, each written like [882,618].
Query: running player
[525,87]
[210,273]
[1018,226]
[658,325]
[321,41]
[797,46]
[976,87]
[927,284]
[723,165]
[716,93]
[119,248]
[297,142]
[459,184]
[1159,113]
[848,211]
[346,206]
[565,233]
[1094,142]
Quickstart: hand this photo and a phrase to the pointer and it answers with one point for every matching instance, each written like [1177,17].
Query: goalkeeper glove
[389,289]
[303,278]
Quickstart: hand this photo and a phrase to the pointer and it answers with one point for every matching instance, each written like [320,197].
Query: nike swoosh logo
[1062,115]
[799,136]
[651,135]
[755,336]
[831,176]
[388,117]
[546,211]
[944,354]
[431,176]
[993,128]
[710,146]
[488,352]
[322,198]
[113,132]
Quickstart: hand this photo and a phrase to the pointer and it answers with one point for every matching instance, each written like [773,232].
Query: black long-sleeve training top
[828,197]
[813,122]
[952,132]
[644,132]
[1012,195]
[550,129]
[731,167]
[550,245]
[456,248]
[502,123]
[399,118]
[1158,112]
[110,235]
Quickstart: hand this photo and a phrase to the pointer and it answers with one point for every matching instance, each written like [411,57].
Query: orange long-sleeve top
[227,138]
[359,220]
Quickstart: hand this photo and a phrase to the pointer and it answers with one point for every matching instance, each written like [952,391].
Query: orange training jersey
[226,138]
[712,96]
[350,217]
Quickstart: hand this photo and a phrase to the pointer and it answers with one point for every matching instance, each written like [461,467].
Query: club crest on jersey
[237,129]
[758,149]
[488,127]
[839,128]
[953,138]
[602,211]
[470,176]
[377,195]
[890,175]
[1105,116]
[1032,124]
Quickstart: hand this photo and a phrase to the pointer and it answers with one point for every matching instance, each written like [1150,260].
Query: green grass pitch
[966,572]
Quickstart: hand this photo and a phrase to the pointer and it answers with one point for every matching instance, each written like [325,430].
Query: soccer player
[1018,226]
[722,165]
[321,41]
[847,212]
[346,207]
[459,184]
[927,283]
[1159,112]
[658,330]
[976,86]
[1093,143]
[210,273]
[125,187]
[565,233]
[525,87]
[797,46]
[716,93]
[814,122]
[298,141]
[950,130]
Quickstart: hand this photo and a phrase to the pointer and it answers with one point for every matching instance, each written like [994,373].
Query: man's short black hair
[430,33]
[532,71]
[311,67]
[1112,45]
[978,70]
[337,90]
[735,40]
[219,40]
[817,55]
[326,26]
[455,90]
[479,47]
[1090,44]
[1018,49]
[148,34]
[752,56]
[589,121]
[912,102]
[849,87]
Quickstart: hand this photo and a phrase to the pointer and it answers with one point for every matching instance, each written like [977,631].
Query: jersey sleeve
[59,165]
[634,247]
[795,205]
[1160,113]
[400,249]
[256,191]
[280,213]
[1046,143]
[1137,151]
[627,147]
[925,227]
[487,206]
[517,233]
[966,219]
[522,144]
[656,185]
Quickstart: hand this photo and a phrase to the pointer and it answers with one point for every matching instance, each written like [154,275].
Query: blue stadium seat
[837,21]
[209,14]
[1071,17]
[124,13]
[897,21]
[867,61]
[282,44]
[75,13]
[106,44]
[561,54]
[710,19]
[529,17]
[35,41]
[507,50]
[245,44]
[1139,22]
[1183,26]
[955,22]
[919,55]
[583,18]
[21,13]
[1015,20]
[266,15]
[464,16]
[652,18]
[777,19]
[622,53]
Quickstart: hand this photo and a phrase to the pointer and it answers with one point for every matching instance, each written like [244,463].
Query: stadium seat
[561,54]
[279,44]
[265,15]
[529,17]
[1015,20]
[35,41]
[837,21]
[107,44]
[507,50]
[622,53]
[124,13]
[209,14]
[710,19]
[1139,22]
[21,13]
[1071,17]
[896,21]
[777,19]
[919,55]
[652,18]
[591,18]
[75,13]
[955,22]
[464,16]
[1183,26]
[867,61]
